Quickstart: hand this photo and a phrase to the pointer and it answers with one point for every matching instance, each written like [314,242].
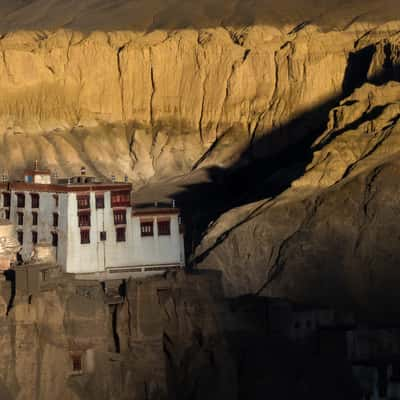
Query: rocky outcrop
[331,237]
[163,339]
[168,337]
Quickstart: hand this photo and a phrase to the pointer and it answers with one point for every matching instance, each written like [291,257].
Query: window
[34,237]
[34,218]
[44,275]
[146,228]
[35,200]
[20,200]
[120,199]
[99,201]
[55,219]
[55,196]
[20,218]
[20,236]
[164,227]
[76,363]
[119,217]
[85,236]
[120,233]
[7,214]
[83,201]
[103,236]
[6,199]
[54,239]
[84,219]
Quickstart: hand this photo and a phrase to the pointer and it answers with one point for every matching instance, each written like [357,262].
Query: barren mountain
[276,127]
[156,90]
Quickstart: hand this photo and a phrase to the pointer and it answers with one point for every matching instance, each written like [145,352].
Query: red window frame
[83,201]
[164,227]
[120,217]
[34,218]
[121,199]
[20,200]
[99,201]
[84,219]
[34,237]
[6,199]
[20,218]
[35,200]
[85,236]
[146,228]
[120,234]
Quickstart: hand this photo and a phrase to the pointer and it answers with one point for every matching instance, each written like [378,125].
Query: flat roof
[155,211]
[37,172]
[65,188]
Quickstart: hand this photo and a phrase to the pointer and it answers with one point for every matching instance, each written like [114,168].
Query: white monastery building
[93,227]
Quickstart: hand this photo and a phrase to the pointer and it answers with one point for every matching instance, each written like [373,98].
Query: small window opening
[164,228]
[85,236]
[146,228]
[121,234]
[20,218]
[34,218]
[77,362]
[99,201]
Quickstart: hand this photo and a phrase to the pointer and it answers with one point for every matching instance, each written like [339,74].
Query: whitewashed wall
[96,256]
[47,206]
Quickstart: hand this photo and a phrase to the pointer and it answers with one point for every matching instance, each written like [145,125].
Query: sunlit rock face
[150,92]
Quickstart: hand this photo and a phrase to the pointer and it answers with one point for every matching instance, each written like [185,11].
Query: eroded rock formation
[155,103]
[331,237]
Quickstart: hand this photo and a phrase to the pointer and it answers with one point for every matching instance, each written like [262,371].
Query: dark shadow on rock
[256,175]
[10,276]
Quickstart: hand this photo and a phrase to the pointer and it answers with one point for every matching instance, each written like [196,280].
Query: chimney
[113,178]
[83,171]
[36,165]
[126,178]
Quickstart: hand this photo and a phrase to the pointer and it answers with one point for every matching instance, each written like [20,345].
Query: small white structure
[92,226]
[9,245]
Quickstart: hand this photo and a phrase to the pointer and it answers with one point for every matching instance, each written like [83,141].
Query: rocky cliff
[129,89]
[164,338]
[331,237]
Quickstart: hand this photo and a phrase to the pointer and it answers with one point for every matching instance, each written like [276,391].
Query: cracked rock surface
[152,93]
[332,236]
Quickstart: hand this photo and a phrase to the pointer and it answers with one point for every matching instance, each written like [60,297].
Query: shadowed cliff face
[330,237]
[168,338]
